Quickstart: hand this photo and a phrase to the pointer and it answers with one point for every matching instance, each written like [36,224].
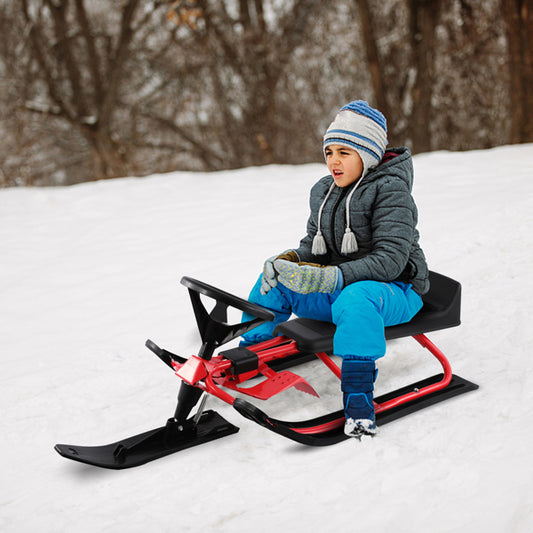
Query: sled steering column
[214,331]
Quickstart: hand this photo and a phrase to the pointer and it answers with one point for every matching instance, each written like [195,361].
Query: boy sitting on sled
[360,265]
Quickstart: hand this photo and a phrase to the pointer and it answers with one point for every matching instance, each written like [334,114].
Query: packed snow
[88,273]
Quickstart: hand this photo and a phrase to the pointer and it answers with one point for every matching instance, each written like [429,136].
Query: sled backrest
[441,310]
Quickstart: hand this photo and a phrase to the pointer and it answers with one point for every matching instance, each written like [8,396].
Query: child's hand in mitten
[307,278]
[269,279]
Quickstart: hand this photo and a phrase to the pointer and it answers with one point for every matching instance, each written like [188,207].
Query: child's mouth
[337,173]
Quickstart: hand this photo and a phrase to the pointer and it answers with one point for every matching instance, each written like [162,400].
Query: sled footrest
[457,386]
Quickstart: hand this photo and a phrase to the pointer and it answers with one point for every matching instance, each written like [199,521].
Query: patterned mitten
[307,278]
[269,279]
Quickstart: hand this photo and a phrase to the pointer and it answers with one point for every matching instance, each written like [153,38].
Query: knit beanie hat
[362,128]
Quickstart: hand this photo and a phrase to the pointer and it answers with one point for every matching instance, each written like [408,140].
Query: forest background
[93,89]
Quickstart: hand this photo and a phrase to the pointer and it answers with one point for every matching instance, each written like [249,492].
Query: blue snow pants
[361,311]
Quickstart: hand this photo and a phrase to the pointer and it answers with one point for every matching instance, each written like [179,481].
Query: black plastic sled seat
[441,310]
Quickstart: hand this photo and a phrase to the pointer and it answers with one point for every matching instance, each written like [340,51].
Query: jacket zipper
[332,225]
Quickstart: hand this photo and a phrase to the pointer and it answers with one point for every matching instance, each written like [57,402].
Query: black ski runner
[304,431]
[151,445]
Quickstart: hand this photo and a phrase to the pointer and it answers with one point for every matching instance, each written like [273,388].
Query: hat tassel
[319,244]
[349,242]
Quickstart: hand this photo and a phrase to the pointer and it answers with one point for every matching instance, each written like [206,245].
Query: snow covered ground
[87,273]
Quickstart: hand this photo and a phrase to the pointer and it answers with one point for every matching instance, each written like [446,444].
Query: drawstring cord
[349,242]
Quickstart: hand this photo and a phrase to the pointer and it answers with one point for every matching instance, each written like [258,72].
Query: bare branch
[37,43]
[78,97]
[94,60]
[202,150]
[117,64]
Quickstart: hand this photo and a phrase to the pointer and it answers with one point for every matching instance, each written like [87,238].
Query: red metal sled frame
[211,375]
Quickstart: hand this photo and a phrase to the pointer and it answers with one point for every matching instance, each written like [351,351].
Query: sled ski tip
[151,445]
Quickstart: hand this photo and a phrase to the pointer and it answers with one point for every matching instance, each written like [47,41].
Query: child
[360,265]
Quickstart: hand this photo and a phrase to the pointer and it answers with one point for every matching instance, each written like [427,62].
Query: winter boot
[357,384]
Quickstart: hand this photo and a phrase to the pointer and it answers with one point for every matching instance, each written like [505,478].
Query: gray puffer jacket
[383,217]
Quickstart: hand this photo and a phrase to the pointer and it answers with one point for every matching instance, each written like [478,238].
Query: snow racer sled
[297,341]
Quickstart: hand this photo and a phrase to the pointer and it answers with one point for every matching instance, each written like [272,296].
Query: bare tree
[437,71]
[403,90]
[81,72]
[248,55]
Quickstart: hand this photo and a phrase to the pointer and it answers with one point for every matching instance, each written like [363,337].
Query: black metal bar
[288,429]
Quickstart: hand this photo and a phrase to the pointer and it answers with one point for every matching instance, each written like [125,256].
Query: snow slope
[87,273]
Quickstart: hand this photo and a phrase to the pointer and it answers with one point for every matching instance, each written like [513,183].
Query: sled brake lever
[165,356]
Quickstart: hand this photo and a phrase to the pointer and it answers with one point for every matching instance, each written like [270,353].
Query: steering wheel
[213,327]
[229,299]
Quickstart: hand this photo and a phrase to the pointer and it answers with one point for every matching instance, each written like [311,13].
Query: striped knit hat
[362,128]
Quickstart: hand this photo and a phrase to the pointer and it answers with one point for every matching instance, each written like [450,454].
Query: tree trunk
[372,56]
[518,17]
[424,18]
[108,159]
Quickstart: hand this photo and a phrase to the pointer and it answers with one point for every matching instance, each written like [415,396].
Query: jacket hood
[396,162]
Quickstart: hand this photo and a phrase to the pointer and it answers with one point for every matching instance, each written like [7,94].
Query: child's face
[344,164]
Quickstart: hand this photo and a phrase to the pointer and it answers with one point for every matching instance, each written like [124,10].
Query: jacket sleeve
[393,222]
